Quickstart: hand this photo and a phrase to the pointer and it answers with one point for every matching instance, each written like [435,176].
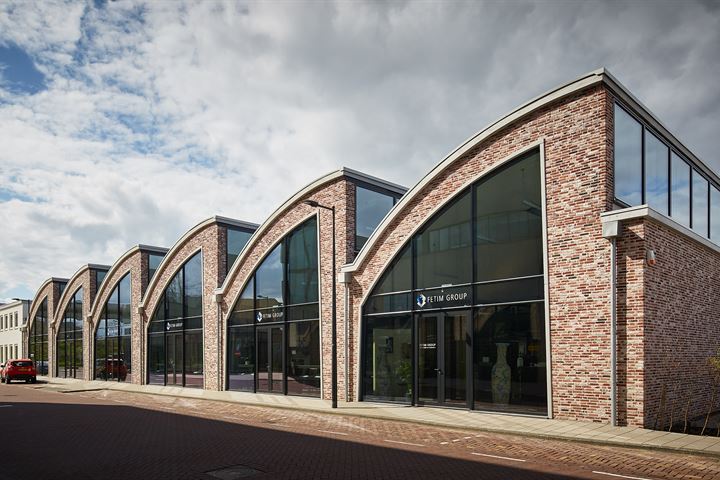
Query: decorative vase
[500,382]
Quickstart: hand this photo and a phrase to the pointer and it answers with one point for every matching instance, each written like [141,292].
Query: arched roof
[75,275]
[36,299]
[170,254]
[115,266]
[596,77]
[294,199]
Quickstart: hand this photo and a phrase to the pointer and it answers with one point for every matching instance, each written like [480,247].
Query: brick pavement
[112,434]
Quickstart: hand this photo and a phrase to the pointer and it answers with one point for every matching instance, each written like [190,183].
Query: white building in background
[13,321]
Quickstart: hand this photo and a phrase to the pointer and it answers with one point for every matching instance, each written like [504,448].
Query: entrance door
[442,351]
[174,363]
[270,359]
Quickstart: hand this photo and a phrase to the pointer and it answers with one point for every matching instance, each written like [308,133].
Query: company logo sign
[259,317]
[421,300]
[445,298]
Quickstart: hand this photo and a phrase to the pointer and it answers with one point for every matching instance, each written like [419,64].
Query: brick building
[562,262]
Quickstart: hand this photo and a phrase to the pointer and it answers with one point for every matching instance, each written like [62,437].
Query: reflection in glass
[370,208]
[508,226]
[628,158]
[175,349]
[38,339]
[656,173]
[680,191]
[113,335]
[715,214]
[241,358]
[699,204]
[444,246]
[236,240]
[154,260]
[283,288]
[509,358]
[69,339]
[387,358]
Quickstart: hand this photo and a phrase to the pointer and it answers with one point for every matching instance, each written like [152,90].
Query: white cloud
[157,115]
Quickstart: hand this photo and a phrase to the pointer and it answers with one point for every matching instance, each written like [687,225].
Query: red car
[19,369]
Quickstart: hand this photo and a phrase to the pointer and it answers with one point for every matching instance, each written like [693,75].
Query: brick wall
[333,193]
[51,291]
[577,169]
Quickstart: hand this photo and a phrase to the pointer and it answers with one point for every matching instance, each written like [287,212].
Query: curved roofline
[87,266]
[182,241]
[116,265]
[596,77]
[40,289]
[274,215]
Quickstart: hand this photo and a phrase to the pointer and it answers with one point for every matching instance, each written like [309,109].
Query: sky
[128,122]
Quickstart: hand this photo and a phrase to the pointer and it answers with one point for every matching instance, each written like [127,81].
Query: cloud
[156,115]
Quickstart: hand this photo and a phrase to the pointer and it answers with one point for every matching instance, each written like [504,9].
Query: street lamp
[315,204]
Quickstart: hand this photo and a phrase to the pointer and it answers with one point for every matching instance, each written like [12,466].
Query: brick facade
[51,291]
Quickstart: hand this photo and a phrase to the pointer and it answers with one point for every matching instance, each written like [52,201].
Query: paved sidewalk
[490,422]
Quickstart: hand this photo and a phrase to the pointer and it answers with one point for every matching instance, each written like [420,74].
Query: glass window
[236,240]
[628,158]
[99,277]
[509,358]
[370,208]
[113,335]
[269,280]
[175,349]
[154,260]
[715,214]
[241,359]
[387,358]
[38,339]
[656,173]
[508,223]
[444,246]
[699,203]
[193,286]
[680,191]
[303,372]
[303,264]
[69,339]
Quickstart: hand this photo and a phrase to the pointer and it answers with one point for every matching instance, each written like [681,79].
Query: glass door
[270,359]
[442,363]
[174,359]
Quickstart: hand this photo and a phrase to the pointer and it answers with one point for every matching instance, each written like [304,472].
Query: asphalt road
[116,435]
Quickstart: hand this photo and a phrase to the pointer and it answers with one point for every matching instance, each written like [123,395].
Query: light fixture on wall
[650,257]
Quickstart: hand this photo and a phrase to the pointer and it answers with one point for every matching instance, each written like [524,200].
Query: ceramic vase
[500,382]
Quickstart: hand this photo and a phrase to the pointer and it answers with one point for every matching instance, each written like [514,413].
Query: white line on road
[620,476]
[405,443]
[1,406]
[333,433]
[497,456]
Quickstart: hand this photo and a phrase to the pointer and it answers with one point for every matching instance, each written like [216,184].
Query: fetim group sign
[443,298]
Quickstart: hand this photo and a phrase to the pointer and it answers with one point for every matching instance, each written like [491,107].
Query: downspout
[610,231]
[220,343]
[344,278]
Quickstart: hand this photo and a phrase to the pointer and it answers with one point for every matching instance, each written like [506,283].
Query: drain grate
[231,473]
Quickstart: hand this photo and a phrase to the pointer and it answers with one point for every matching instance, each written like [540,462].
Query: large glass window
[699,203]
[175,333]
[370,208]
[628,158]
[656,173]
[154,260]
[715,214]
[70,339]
[38,339]
[236,240]
[99,277]
[473,332]
[278,312]
[680,190]
[113,356]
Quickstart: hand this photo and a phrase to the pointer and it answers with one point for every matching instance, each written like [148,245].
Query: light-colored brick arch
[208,238]
[131,262]
[573,128]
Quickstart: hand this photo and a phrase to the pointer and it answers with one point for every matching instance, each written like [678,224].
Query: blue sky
[130,122]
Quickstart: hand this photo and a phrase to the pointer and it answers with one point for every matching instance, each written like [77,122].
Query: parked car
[19,369]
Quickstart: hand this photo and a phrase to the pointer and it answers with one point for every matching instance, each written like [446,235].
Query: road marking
[1,406]
[497,456]
[620,476]
[333,433]
[405,443]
